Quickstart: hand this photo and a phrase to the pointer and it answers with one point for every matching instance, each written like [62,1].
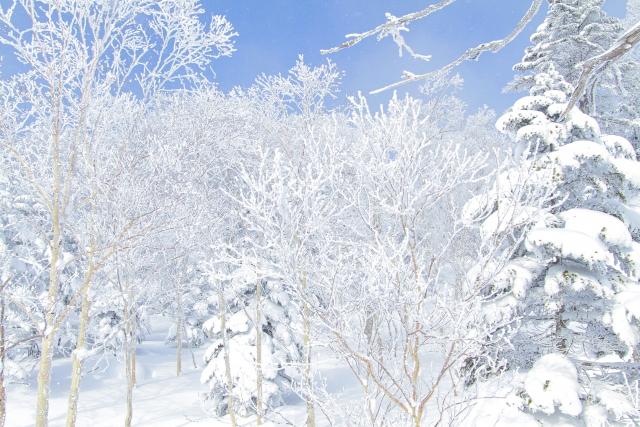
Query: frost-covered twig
[471,54]
[393,24]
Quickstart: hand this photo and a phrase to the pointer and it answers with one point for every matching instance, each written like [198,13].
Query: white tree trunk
[258,352]
[130,361]
[193,356]
[44,375]
[308,378]
[3,393]
[77,362]
[225,344]
[179,340]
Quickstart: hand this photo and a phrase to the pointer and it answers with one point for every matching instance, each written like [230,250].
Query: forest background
[467,268]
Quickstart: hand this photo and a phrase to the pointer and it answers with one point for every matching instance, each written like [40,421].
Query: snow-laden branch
[602,61]
[392,26]
[471,54]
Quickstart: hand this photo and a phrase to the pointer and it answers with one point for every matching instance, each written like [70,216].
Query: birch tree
[276,197]
[406,326]
[73,55]
[300,205]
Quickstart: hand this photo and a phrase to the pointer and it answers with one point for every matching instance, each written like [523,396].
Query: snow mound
[238,322]
[499,309]
[560,242]
[581,124]
[619,147]
[536,103]
[574,154]
[597,225]
[516,275]
[626,307]
[556,95]
[500,412]
[553,380]
[499,405]
[510,123]
[629,169]
[629,212]
[576,277]
[542,131]
[212,326]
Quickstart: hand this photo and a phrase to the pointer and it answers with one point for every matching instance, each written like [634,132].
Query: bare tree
[74,55]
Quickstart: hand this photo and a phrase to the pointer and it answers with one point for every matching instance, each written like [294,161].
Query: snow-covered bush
[24,264]
[281,344]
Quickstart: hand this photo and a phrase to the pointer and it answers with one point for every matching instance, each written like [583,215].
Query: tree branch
[388,26]
[471,54]
[602,61]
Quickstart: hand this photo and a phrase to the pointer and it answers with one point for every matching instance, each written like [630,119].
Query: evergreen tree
[281,344]
[24,261]
[574,31]
[617,105]
[574,279]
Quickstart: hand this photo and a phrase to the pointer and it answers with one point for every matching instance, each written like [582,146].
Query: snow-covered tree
[206,131]
[573,278]
[188,298]
[74,56]
[633,14]
[572,32]
[23,266]
[281,343]
[26,265]
[405,325]
[279,198]
[617,108]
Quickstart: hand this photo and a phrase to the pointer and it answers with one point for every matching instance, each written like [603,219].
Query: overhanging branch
[601,62]
[471,54]
[389,25]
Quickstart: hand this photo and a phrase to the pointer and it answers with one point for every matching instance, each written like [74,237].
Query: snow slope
[161,399]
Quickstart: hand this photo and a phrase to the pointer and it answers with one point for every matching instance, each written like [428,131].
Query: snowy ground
[160,399]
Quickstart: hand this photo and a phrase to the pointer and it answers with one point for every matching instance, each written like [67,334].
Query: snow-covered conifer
[281,326]
[574,31]
[633,13]
[617,105]
[574,278]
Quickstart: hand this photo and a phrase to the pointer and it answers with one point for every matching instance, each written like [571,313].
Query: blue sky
[273,32]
